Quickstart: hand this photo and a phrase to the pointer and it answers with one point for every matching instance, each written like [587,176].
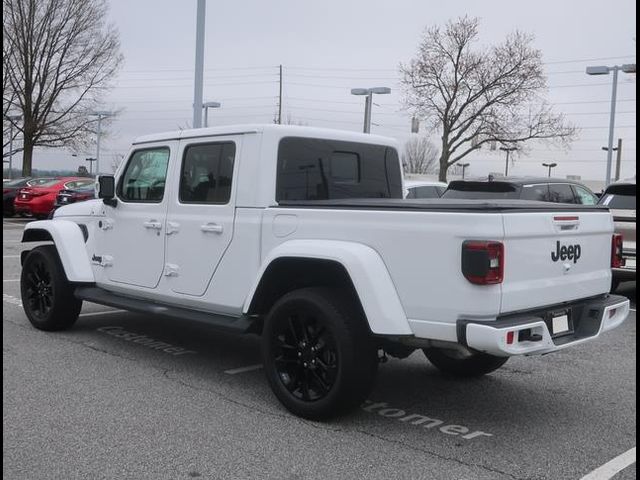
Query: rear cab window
[321,169]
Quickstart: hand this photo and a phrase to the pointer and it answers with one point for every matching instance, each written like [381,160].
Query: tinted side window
[319,169]
[145,175]
[207,171]
[561,193]
[584,196]
[535,192]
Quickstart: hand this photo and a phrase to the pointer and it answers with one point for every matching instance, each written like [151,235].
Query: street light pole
[91,160]
[207,106]
[11,118]
[199,70]
[508,150]
[464,167]
[368,103]
[605,70]
[550,166]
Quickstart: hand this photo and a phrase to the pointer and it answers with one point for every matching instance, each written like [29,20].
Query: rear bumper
[531,333]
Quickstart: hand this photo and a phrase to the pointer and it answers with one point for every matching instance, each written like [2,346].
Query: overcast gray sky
[328,47]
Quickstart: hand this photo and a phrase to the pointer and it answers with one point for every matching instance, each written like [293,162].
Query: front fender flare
[69,241]
[369,275]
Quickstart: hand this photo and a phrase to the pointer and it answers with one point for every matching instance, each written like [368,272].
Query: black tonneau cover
[440,204]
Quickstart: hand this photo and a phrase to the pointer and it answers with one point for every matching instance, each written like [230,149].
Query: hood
[81,209]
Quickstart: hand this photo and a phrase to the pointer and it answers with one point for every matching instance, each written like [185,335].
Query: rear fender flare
[368,273]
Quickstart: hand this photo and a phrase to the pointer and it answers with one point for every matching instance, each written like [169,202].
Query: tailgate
[555,257]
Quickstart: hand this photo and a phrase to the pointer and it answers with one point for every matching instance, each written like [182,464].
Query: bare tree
[478,95]
[59,57]
[420,155]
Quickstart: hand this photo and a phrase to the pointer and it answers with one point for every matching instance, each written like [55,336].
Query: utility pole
[199,70]
[508,150]
[100,116]
[280,99]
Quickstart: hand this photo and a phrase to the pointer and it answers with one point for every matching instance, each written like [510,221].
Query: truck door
[132,243]
[201,214]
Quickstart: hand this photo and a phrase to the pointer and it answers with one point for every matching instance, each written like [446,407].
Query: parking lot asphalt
[88,403]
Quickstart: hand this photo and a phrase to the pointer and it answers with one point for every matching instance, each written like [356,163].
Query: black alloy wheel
[306,357]
[319,356]
[47,296]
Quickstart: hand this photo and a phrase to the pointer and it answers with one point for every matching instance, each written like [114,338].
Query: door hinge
[172,227]
[171,270]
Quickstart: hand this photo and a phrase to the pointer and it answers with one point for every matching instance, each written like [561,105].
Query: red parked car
[39,200]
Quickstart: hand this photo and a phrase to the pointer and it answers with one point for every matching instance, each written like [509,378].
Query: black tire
[476,365]
[319,356]
[47,295]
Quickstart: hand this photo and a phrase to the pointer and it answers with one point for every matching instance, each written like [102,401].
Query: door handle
[152,224]
[211,227]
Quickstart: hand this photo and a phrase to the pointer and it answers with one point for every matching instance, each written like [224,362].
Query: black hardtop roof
[517,181]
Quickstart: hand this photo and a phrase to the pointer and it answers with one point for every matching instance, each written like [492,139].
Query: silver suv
[620,197]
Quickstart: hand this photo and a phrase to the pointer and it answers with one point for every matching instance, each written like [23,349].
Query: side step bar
[225,323]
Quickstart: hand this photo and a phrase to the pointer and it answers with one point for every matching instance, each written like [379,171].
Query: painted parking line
[611,468]
[11,280]
[250,368]
[11,256]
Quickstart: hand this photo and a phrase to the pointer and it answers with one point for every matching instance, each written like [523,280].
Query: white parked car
[301,235]
[424,189]
[620,197]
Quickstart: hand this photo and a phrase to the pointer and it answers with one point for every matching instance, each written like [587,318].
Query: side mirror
[107,190]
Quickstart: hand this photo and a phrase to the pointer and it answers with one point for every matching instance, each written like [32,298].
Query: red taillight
[483,262]
[617,260]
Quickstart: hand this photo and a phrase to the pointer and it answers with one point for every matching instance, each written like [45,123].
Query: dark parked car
[11,188]
[73,195]
[523,188]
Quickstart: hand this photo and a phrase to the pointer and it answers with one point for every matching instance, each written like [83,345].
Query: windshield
[619,202]
[42,182]
[15,183]
[619,197]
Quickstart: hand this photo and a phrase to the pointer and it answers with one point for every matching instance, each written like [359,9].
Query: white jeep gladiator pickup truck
[301,235]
